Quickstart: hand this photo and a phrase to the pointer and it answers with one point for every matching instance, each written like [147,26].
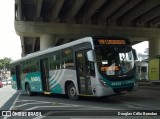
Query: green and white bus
[88,67]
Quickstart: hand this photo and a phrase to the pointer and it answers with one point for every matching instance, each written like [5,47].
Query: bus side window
[90,67]
[55,61]
[68,58]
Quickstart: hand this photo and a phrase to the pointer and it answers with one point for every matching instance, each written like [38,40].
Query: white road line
[13,104]
[33,100]
[15,101]
[25,100]
[47,106]
[37,102]
[87,106]
[69,105]
[30,104]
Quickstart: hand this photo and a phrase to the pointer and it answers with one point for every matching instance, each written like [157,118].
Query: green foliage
[4,63]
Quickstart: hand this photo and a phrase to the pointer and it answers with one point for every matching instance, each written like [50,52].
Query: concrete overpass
[46,23]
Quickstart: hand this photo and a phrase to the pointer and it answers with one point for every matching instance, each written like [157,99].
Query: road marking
[38,101]
[32,100]
[15,101]
[30,104]
[64,105]
[71,105]
[56,103]
[47,106]
[12,106]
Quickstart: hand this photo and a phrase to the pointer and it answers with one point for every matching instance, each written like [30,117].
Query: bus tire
[28,90]
[72,92]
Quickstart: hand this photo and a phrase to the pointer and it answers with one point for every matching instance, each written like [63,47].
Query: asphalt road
[140,103]
[7,96]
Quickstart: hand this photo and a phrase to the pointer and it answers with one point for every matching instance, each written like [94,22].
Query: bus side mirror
[90,56]
[134,54]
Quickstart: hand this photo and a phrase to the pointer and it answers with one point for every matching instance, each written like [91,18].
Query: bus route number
[112,42]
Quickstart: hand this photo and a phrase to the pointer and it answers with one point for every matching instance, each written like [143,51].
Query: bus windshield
[114,60]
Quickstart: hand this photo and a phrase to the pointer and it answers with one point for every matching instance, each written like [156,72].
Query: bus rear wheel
[28,90]
[72,92]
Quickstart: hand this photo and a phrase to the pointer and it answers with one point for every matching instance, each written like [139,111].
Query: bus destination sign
[111,42]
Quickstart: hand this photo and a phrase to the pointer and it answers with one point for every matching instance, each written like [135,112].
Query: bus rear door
[18,77]
[44,74]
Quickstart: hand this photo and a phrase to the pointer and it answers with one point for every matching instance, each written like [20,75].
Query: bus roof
[39,53]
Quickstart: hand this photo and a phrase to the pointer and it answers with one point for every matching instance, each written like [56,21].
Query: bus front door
[44,74]
[84,80]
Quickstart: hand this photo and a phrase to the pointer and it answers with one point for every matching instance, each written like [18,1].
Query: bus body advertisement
[88,66]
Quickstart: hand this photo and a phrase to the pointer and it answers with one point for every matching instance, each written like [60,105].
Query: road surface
[144,103]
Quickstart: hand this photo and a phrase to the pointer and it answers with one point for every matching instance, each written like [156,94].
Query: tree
[4,63]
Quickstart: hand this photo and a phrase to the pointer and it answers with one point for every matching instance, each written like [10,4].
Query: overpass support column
[154,47]
[23,47]
[46,41]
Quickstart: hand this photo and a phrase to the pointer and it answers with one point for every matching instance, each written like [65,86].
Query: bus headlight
[103,82]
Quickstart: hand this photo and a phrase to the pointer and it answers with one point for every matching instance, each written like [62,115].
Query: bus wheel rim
[73,91]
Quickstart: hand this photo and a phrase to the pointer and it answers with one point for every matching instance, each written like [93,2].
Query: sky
[10,44]
[141,47]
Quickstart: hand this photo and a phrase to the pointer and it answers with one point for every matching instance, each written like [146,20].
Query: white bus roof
[49,50]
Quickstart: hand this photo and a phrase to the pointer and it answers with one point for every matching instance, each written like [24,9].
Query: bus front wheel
[28,90]
[72,92]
